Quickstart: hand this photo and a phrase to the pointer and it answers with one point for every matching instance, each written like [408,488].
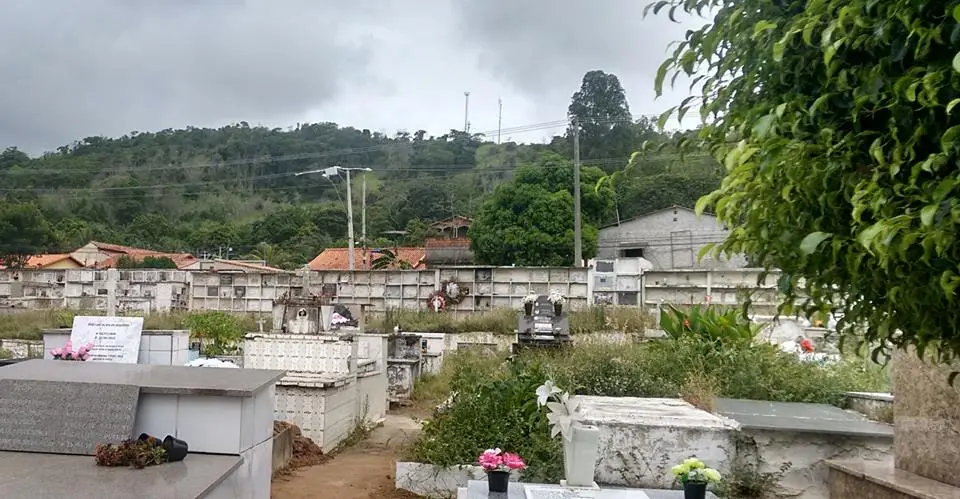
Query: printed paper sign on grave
[115,339]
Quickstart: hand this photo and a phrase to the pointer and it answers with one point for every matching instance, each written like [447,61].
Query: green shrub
[5,354]
[710,324]
[497,412]
[218,332]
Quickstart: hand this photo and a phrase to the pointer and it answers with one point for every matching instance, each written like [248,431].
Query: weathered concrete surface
[808,453]
[642,438]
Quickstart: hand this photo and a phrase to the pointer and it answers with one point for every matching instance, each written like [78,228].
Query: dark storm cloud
[70,69]
[544,47]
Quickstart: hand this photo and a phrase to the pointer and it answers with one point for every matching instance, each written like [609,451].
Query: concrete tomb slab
[800,417]
[29,475]
[63,417]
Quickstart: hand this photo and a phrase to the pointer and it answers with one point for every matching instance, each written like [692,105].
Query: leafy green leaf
[763,126]
[812,240]
[927,213]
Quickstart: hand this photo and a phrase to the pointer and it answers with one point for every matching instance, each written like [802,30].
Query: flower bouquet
[557,299]
[498,465]
[68,353]
[694,475]
[528,302]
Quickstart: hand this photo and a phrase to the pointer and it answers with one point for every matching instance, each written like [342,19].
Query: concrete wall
[670,239]
[148,291]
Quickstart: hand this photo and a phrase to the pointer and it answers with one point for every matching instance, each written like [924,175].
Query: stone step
[857,479]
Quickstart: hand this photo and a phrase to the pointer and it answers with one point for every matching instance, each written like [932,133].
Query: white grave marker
[115,339]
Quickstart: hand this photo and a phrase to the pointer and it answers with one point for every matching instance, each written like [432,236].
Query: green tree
[555,173]
[525,224]
[837,125]
[601,110]
[24,232]
[147,262]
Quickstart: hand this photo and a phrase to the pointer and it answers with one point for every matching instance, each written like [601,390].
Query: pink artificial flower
[490,459]
[68,347]
[89,346]
[513,461]
[56,352]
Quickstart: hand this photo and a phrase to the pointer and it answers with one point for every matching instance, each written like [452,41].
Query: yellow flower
[712,475]
[693,463]
[679,470]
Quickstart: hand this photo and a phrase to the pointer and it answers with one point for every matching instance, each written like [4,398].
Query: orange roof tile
[180,259]
[116,248]
[41,261]
[338,258]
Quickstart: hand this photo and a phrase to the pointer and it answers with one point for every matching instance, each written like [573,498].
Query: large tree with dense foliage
[24,232]
[601,111]
[529,220]
[838,127]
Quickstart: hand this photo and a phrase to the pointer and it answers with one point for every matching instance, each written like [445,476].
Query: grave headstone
[64,418]
[115,339]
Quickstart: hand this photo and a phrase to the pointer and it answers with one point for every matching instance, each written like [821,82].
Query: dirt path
[364,471]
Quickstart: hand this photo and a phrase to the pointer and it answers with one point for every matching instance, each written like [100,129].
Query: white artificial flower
[544,392]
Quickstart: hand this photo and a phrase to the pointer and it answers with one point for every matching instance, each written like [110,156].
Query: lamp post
[328,173]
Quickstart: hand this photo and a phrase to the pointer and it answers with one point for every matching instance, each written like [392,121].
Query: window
[632,253]
[627,298]
[604,266]
[213,291]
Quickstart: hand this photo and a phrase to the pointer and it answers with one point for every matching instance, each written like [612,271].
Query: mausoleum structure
[54,413]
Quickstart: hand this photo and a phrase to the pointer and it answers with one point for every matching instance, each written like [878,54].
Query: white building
[670,238]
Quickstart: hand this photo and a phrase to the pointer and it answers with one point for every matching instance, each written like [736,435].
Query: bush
[497,412]
[218,332]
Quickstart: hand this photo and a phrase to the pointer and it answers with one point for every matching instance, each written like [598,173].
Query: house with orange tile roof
[51,261]
[338,258]
[244,266]
[104,255]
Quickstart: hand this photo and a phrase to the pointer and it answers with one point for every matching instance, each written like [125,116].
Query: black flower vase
[498,480]
[528,309]
[694,490]
[557,309]
[176,448]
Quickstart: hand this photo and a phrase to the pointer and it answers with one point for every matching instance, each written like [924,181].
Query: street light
[330,172]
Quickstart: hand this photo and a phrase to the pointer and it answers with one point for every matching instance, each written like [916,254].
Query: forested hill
[203,190]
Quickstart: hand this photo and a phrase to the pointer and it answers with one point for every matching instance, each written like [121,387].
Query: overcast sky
[71,69]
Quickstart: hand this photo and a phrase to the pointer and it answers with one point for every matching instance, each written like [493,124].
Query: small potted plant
[136,453]
[68,353]
[498,465]
[528,302]
[694,475]
[557,299]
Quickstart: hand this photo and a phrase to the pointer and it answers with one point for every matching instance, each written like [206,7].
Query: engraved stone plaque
[63,417]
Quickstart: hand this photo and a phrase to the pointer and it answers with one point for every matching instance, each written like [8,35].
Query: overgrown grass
[29,324]
[495,406]
[504,321]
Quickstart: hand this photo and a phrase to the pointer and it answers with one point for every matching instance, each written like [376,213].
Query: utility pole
[466,112]
[363,214]
[329,172]
[577,236]
[351,258]
[499,119]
